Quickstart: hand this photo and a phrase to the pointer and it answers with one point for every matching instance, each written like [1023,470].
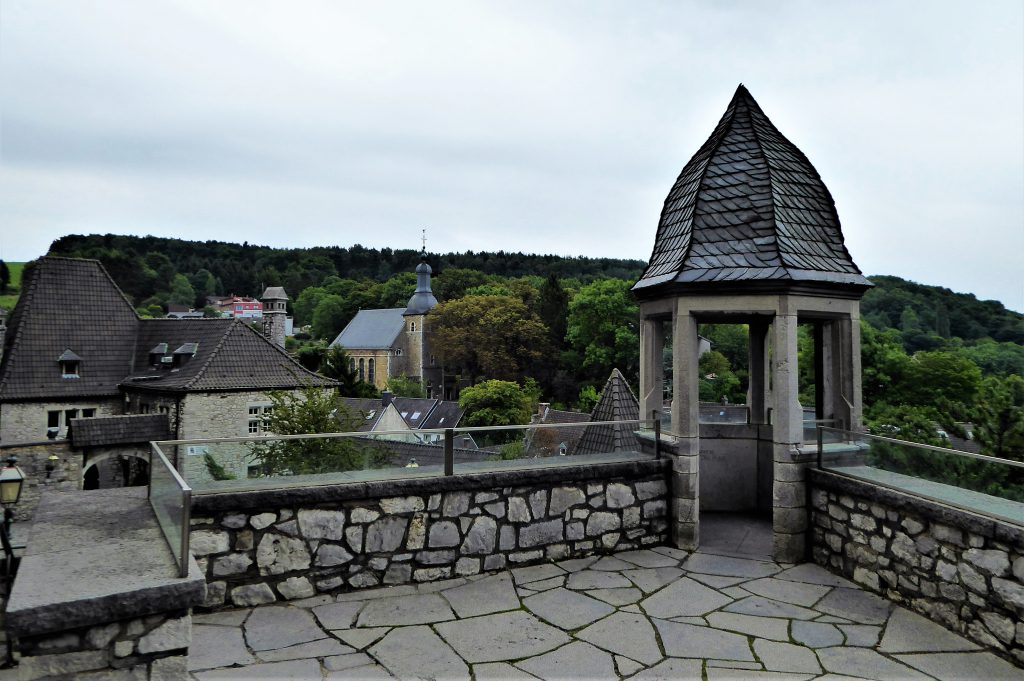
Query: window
[58,420]
[258,415]
[398,352]
[69,369]
[412,326]
[352,365]
[144,407]
[90,413]
[371,373]
[362,373]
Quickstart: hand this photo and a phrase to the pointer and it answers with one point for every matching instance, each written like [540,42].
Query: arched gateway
[749,234]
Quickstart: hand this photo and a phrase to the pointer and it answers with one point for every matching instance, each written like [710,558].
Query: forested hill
[927,315]
[142,265]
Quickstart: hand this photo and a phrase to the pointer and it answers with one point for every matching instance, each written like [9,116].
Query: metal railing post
[821,441]
[449,451]
[657,433]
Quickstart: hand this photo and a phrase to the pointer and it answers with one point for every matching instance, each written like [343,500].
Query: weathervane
[424,238]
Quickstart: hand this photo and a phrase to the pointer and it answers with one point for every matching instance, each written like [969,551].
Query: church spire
[423,300]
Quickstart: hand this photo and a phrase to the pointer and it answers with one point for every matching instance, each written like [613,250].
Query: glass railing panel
[272,462]
[171,500]
[980,483]
[544,445]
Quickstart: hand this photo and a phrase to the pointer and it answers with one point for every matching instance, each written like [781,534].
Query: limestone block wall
[142,649]
[958,568]
[218,414]
[23,422]
[261,547]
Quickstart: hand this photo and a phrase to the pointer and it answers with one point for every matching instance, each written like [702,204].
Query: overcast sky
[545,127]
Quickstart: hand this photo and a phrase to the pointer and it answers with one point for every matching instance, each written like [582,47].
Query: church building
[383,344]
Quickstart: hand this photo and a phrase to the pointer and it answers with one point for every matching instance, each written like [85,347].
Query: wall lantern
[11,480]
[51,464]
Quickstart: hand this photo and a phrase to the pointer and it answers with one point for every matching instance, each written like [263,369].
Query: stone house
[383,344]
[76,350]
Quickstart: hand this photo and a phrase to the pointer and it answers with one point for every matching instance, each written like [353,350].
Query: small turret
[275,311]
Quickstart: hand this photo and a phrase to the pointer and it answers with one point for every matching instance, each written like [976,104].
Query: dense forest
[932,359]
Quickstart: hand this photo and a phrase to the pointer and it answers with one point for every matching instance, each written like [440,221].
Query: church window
[398,352]
[352,365]
[362,370]
[412,326]
[371,374]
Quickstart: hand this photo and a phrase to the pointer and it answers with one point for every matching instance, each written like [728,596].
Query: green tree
[330,317]
[717,380]
[453,282]
[999,417]
[492,336]
[603,327]
[587,399]
[403,386]
[182,292]
[884,365]
[396,291]
[5,277]
[335,363]
[553,309]
[495,403]
[938,377]
[311,411]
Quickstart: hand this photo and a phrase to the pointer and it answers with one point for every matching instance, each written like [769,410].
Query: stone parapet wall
[260,547]
[961,569]
[153,648]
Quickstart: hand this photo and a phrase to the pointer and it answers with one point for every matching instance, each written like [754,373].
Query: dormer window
[184,353]
[156,355]
[70,364]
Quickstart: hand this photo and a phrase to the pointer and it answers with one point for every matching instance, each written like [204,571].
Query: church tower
[421,362]
[275,310]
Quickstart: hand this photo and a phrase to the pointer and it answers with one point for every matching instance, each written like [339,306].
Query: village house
[76,351]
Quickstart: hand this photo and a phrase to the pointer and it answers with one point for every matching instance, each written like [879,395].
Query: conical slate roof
[617,404]
[749,207]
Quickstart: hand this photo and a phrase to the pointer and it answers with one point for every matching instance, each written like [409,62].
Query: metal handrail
[919,445]
[372,433]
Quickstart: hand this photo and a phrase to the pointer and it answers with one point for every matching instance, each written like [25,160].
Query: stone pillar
[685,511]
[652,369]
[757,392]
[789,513]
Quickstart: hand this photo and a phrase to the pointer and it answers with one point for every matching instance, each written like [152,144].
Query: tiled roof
[67,304]
[749,206]
[113,430]
[418,413]
[229,355]
[547,441]
[617,404]
[372,330]
[274,293]
[429,454]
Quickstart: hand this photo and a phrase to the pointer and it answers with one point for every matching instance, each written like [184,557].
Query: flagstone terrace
[658,613]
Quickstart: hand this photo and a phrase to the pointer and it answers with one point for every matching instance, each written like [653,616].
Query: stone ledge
[96,557]
[973,522]
[207,504]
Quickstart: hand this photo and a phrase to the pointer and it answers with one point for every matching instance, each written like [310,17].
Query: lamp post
[11,480]
[51,464]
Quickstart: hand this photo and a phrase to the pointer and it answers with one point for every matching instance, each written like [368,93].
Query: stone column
[652,369]
[757,392]
[685,510]
[789,513]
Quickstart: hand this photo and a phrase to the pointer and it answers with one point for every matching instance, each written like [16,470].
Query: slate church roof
[749,207]
[372,330]
[71,308]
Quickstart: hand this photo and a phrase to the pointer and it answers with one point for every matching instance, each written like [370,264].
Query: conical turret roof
[749,207]
[619,405]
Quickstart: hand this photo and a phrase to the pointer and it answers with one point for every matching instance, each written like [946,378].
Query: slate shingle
[115,430]
[617,404]
[749,206]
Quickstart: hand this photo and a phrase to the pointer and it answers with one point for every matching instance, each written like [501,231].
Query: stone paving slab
[644,614]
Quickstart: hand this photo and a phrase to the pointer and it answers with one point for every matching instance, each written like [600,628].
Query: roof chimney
[385,398]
